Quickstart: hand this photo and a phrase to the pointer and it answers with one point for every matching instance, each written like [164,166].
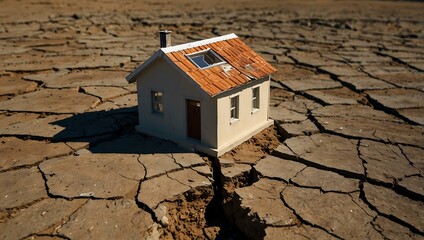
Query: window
[157,102]
[234,108]
[255,99]
[205,59]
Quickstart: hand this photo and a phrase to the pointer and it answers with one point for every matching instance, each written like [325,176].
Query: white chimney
[165,38]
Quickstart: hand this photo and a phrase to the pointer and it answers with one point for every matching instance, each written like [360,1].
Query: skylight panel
[206,59]
[200,61]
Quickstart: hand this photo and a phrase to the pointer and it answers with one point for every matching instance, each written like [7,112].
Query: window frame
[235,108]
[256,103]
[204,52]
[155,103]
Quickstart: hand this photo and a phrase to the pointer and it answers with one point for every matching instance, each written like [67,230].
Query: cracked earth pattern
[344,160]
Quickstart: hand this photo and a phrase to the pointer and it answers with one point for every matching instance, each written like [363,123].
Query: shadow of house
[111,132]
[93,124]
[135,143]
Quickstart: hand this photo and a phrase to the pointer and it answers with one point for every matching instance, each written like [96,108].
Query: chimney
[165,38]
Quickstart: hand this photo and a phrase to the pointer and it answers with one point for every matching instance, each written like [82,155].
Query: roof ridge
[198,43]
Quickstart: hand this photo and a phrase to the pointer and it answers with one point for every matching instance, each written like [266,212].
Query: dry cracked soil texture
[345,159]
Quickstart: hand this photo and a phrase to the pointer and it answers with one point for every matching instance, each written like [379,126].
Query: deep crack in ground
[72,163]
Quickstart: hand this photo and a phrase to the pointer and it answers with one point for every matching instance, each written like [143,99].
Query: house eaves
[132,77]
[242,65]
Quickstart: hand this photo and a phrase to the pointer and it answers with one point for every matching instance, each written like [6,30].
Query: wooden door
[193,119]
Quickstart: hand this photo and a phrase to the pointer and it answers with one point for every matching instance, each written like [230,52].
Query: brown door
[193,119]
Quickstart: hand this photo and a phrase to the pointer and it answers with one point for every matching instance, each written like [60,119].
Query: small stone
[164,221]
[160,211]
[211,232]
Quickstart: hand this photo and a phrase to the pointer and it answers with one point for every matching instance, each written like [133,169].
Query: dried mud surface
[343,161]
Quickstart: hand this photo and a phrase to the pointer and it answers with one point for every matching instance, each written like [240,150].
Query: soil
[343,161]
[198,214]
[256,147]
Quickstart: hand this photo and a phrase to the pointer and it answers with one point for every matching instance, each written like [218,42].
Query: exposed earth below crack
[344,159]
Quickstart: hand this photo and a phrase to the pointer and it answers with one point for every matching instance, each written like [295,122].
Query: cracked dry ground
[343,161]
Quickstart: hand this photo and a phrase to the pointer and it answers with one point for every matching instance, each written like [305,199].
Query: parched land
[345,159]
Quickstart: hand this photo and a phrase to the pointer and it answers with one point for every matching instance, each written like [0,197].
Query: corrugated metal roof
[242,64]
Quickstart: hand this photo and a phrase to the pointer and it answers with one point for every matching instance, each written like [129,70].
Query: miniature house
[209,95]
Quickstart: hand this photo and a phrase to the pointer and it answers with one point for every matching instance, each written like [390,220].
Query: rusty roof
[242,64]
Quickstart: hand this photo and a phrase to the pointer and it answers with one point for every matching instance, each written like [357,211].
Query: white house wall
[160,76]
[248,122]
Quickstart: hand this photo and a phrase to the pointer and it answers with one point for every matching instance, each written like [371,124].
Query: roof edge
[186,76]
[198,43]
[246,84]
[130,78]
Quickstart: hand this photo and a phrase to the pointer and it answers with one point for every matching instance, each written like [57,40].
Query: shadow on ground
[111,132]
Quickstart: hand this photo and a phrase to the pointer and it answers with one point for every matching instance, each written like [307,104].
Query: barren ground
[343,161]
